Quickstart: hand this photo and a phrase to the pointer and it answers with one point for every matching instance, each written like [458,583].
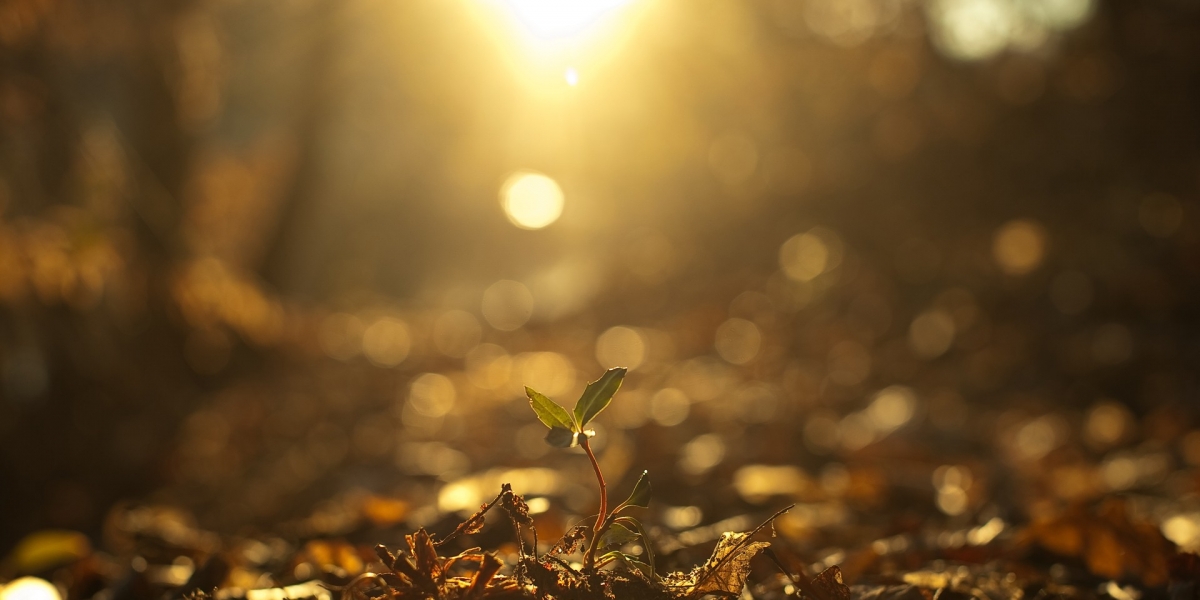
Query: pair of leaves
[566,428]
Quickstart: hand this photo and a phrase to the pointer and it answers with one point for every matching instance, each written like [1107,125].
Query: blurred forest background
[287,264]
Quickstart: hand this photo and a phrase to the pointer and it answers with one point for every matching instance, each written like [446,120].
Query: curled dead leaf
[724,573]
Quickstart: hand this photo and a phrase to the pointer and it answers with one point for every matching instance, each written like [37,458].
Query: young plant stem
[589,558]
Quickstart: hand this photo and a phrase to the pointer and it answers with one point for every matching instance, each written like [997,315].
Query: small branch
[475,518]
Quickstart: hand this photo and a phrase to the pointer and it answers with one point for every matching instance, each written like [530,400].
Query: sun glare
[531,200]
[559,19]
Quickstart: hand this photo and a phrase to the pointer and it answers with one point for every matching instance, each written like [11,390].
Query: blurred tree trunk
[113,393]
[301,193]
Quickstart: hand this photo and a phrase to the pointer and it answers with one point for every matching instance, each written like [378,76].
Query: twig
[471,521]
[801,585]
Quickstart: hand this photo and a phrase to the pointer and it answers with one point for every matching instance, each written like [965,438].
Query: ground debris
[1110,541]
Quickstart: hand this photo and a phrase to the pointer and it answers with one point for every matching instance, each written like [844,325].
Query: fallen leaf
[830,585]
[724,573]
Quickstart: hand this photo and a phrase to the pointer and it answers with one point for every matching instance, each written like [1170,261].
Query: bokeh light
[1019,246]
[432,395]
[531,200]
[386,342]
[931,333]
[804,256]
[489,366]
[701,454]
[738,341]
[550,373]
[507,305]
[669,407]
[29,588]
[621,347]
[892,407]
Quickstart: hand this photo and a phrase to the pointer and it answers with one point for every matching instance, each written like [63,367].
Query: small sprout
[567,431]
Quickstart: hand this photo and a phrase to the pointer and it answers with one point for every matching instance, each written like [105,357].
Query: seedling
[568,429]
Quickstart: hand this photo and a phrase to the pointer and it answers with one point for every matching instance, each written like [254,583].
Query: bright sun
[553,20]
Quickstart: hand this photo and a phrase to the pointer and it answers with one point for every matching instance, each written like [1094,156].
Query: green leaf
[549,412]
[617,535]
[598,395]
[560,437]
[640,496]
[626,561]
[633,524]
[608,557]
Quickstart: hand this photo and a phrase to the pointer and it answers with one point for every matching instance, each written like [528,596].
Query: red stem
[601,520]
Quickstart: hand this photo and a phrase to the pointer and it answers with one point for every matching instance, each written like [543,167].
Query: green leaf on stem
[549,412]
[617,535]
[640,496]
[598,395]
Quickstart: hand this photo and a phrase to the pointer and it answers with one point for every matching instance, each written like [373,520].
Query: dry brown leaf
[488,567]
[725,572]
[422,548]
[570,541]
[830,585]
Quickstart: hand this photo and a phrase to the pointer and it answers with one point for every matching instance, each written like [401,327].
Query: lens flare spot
[531,200]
